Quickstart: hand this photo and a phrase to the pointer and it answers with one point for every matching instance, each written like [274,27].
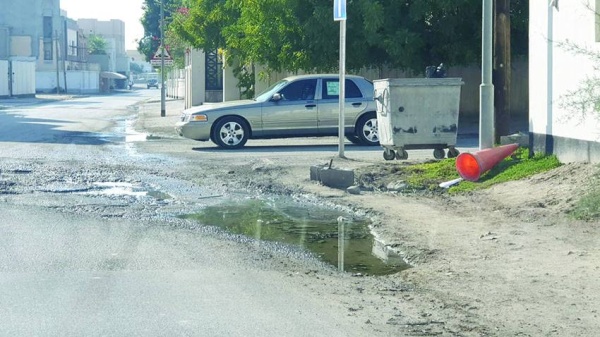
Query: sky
[128,11]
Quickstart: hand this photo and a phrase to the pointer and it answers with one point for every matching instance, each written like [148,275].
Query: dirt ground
[507,261]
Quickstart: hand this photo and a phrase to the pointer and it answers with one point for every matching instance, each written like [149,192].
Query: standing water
[337,238]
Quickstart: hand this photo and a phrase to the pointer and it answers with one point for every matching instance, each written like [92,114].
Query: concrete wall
[4,42]
[4,92]
[17,78]
[469,97]
[20,46]
[175,84]
[79,82]
[23,81]
[25,18]
[564,117]
[195,84]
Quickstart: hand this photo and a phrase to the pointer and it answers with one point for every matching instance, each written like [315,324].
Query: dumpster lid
[422,81]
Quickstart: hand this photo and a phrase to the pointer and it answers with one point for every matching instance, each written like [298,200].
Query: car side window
[302,90]
[331,89]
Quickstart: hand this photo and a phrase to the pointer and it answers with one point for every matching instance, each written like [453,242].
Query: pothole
[337,238]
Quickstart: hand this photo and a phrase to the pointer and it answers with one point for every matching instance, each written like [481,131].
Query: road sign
[159,54]
[157,62]
[339,10]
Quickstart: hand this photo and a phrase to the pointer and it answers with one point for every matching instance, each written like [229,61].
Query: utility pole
[502,68]
[57,63]
[339,14]
[486,89]
[163,110]
[64,55]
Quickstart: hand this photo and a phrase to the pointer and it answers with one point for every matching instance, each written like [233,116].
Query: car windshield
[267,94]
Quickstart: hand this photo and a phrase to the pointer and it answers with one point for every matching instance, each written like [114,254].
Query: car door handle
[310,105]
[356,104]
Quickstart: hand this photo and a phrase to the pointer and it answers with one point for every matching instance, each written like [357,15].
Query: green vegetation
[518,166]
[588,207]
[97,45]
[293,35]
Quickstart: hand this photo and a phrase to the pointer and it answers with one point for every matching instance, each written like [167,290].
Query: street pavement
[151,122]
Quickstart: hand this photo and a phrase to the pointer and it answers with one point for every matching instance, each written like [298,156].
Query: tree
[297,35]
[135,68]
[96,45]
[149,44]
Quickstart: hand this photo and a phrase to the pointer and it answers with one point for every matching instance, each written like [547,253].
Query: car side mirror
[276,97]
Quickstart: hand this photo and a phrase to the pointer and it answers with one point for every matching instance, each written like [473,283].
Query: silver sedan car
[297,106]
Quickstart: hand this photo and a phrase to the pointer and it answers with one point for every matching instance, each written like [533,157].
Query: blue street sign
[339,10]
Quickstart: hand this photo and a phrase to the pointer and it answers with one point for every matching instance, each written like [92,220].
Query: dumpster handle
[384,101]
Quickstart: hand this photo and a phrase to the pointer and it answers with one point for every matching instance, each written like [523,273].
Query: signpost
[339,10]
[163,107]
[339,14]
[159,56]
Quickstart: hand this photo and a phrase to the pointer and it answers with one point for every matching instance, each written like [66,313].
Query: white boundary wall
[78,81]
[558,125]
[4,92]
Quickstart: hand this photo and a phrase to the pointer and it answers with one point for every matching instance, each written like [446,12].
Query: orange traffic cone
[471,166]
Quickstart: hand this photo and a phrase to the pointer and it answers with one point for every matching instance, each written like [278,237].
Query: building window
[48,51]
[47,32]
[47,27]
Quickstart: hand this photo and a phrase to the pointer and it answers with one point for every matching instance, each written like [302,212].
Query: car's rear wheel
[366,130]
[230,133]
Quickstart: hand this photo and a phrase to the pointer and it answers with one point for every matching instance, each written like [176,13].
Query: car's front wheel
[366,130]
[230,133]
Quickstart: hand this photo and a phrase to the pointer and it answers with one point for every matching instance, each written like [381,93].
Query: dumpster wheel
[439,153]
[389,154]
[402,155]
[453,152]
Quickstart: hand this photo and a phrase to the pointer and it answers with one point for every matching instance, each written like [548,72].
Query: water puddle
[337,238]
[125,189]
[131,135]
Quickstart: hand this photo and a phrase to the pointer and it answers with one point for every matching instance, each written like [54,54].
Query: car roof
[310,76]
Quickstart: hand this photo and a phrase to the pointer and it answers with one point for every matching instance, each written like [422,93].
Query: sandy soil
[507,261]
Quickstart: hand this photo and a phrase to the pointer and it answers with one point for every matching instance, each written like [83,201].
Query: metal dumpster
[417,113]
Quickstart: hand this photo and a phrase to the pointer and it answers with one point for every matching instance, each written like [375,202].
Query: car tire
[230,133]
[354,139]
[366,130]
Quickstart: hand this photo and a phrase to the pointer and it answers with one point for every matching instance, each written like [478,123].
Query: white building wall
[555,71]
[72,42]
[80,82]
[23,83]
[195,84]
[4,79]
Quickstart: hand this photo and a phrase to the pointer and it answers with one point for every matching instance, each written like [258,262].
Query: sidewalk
[151,122]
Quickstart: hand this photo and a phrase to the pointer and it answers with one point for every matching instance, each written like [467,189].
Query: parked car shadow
[289,148]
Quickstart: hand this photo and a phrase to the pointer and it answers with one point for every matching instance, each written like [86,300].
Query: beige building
[113,32]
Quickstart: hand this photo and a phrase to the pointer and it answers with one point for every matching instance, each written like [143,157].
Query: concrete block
[336,178]
[314,172]
[520,138]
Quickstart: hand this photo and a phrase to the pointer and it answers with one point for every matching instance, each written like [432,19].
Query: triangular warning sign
[158,54]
